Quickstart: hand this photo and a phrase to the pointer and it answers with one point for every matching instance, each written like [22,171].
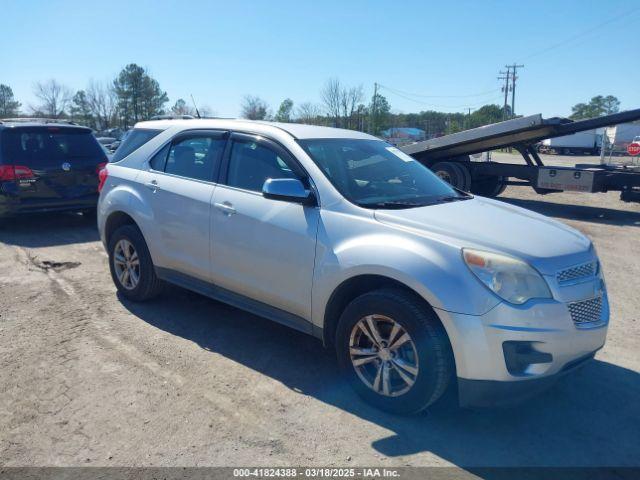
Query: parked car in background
[107,152]
[105,140]
[116,133]
[110,143]
[48,165]
[418,286]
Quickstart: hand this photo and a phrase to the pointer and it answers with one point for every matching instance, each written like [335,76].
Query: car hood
[487,224]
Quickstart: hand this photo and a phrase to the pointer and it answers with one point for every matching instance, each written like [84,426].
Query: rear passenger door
[262,249]
[180,184]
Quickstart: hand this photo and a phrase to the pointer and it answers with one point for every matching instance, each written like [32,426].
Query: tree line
[131,97]
[134,95]
[345,106]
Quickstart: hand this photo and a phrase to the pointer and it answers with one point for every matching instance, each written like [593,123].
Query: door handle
[152,185]
[226,207]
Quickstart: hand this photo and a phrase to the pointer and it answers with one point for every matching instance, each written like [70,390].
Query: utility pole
[505,76]
[374,110]
[514,77]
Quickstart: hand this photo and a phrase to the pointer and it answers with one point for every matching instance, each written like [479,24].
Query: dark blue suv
[48,166]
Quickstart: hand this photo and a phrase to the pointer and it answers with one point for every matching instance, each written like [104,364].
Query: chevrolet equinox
[417,286]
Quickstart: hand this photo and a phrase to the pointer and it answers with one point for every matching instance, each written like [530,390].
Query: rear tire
[465,175]
[418,371]
[131,266]
[488,186]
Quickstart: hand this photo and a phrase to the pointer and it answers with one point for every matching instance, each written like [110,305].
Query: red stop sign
[633,149]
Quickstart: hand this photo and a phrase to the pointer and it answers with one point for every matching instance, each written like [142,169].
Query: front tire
[455,175]
[394,351]
[131,266]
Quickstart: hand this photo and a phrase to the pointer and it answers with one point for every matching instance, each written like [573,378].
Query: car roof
[38,122]
[296,130]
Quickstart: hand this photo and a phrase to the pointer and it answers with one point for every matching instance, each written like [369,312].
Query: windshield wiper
[394,204]
[400,204]
[453,198]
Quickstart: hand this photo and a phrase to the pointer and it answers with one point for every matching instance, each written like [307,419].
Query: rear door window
[42,147]
[132,141]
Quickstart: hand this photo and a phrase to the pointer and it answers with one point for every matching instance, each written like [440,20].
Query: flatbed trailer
[450,157]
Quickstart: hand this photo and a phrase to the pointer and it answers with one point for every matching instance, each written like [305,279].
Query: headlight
[509,278]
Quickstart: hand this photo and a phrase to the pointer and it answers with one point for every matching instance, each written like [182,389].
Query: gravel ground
[87,378]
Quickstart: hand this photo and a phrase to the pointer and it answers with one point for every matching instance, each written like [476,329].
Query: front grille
[576,273]
[587,311]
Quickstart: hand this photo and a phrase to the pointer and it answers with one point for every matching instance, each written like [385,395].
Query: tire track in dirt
[85,324]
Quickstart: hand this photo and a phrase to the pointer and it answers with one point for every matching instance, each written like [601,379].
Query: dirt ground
[87,378]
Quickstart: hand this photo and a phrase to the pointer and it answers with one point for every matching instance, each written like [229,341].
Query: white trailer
[586,143]
[619,136]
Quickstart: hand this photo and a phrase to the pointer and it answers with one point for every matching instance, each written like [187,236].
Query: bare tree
[102,102]
[349,100]
[254,108]
[308,113]
[331,97]
[54,96]
[206,111]
[341,102]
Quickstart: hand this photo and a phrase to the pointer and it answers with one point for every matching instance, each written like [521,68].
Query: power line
[624,14]
[401,92]
[466,105]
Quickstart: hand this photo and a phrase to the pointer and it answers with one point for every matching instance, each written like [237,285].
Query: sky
[426,55]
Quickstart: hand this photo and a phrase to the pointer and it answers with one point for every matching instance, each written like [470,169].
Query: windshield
[374,174]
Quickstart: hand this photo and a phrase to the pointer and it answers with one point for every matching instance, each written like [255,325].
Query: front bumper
[512,352]
[493,393]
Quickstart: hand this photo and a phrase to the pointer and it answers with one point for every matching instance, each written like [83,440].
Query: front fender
[433,269]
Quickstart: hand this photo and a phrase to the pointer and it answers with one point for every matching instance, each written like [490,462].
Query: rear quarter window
[132,141]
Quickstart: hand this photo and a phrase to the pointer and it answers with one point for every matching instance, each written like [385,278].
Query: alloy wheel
[127,264]
[383,355]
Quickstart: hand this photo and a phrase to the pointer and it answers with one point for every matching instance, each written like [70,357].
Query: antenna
[195,106]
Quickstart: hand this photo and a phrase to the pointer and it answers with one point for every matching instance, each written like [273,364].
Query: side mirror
[288,190]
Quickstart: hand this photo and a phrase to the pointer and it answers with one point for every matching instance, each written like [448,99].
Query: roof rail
[40,120]
[172,117]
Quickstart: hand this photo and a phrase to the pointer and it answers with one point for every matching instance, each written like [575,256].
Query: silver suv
[420,288]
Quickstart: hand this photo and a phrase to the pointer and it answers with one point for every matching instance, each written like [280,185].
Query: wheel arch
[116,220]
[122,205]
[352,288]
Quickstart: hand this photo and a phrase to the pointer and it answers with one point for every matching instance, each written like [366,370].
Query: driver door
[263,249]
